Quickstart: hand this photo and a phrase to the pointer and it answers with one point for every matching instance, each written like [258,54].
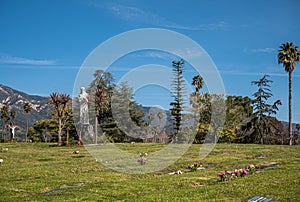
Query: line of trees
[8,117]
[107,93]
[247,120]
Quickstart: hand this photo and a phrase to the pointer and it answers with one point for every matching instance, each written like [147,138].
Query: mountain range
[15,100]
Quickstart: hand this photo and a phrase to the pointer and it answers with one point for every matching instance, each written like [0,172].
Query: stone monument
[12,128]
[84,107]
[86,128]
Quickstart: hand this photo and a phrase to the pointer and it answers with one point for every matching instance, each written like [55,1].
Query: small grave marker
[262,157]
[3,149]
[273,166]
[53,191]
[260,199]
[63,188]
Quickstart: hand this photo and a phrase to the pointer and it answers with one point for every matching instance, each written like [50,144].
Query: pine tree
[262,109]
[177,93]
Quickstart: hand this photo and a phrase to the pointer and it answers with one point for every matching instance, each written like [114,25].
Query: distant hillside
[286,126]
[15,100]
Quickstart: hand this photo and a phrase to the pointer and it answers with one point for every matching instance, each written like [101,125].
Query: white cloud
[7,59]
[189,53]
[260,50]
[154,54]
[129,13]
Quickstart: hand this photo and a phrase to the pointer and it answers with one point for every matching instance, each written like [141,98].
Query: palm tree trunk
[67,142]
[26,127]
[3,130]
[59,132]
[290,109]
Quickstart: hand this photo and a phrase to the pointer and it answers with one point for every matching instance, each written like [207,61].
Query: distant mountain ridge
[15,100]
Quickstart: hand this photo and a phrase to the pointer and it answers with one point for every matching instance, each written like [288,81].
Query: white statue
[12,128]
[84,108]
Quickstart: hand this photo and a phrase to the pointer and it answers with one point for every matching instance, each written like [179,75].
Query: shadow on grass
[81,156]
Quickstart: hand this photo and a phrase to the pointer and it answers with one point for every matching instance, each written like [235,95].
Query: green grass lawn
[30,169]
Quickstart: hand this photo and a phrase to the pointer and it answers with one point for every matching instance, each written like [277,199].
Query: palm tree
[288,54]
[27,108]
[13,115]
[5,118]
[60,101]
[198,82]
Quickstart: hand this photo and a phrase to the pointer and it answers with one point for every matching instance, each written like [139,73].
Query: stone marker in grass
[63,188]
[260,199]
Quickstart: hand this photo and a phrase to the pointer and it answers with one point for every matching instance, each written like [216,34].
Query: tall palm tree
[5,118]
[27,108]
[198,82]
[60,101]
[13,115]
[288,54]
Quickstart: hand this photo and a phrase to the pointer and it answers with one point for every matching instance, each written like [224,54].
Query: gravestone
[53,191]
[63,188]
[262,157]
[260,199]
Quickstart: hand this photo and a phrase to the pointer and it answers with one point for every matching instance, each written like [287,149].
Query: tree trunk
[3,130]
[26,127]
[59,132]
[67,142]
[290,109]
[96,130]
[11,134]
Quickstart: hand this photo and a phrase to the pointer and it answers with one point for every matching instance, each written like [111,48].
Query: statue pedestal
[86,132]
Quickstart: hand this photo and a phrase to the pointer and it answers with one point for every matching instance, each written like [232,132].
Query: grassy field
[28,170]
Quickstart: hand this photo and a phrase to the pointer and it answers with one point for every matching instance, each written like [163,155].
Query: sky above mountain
[44,43]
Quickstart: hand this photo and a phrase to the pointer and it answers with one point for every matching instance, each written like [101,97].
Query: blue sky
[43,43]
